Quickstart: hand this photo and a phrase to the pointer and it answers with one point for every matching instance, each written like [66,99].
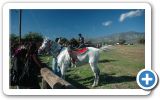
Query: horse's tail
[106,48]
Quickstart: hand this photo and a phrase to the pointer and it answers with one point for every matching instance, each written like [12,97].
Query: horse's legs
[73,65]
[96,72]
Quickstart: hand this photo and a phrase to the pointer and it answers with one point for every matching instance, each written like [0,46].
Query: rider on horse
[81,41]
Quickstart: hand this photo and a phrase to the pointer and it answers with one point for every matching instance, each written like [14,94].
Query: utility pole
[20,24]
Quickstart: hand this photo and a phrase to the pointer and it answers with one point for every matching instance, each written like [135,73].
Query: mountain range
[128,37]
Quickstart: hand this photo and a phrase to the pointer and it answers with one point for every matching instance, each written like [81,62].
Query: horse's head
[44,46]
[49,46]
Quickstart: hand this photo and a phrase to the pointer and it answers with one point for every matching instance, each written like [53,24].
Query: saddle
[80,51]
[74,53]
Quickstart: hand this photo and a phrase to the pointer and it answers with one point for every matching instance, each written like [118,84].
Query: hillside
[128,37]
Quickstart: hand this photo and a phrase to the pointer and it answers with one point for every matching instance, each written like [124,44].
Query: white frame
[6,29]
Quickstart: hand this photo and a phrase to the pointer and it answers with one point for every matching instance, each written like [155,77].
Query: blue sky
[69,23]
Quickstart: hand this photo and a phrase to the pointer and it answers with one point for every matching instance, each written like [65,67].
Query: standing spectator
[29,77]
[18,63]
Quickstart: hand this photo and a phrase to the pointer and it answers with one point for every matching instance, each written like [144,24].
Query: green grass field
[118,67]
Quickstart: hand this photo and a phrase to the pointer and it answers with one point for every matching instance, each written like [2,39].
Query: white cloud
[130,14]
[107,23]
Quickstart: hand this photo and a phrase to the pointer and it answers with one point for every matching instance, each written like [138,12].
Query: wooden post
[54,81]
[45,84]
[20,24]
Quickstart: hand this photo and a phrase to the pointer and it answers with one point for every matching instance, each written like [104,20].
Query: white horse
[64,58]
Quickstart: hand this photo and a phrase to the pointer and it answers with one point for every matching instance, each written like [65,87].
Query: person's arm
[36,61]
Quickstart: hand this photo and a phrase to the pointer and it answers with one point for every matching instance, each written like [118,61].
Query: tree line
[31,36]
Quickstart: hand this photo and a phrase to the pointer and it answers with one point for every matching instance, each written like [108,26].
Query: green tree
[14,38]
[122,41]
[33,36]
[142,41]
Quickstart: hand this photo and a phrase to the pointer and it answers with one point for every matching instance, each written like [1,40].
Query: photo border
[6,32]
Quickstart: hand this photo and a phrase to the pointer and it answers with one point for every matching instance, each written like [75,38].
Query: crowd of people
[26,63]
